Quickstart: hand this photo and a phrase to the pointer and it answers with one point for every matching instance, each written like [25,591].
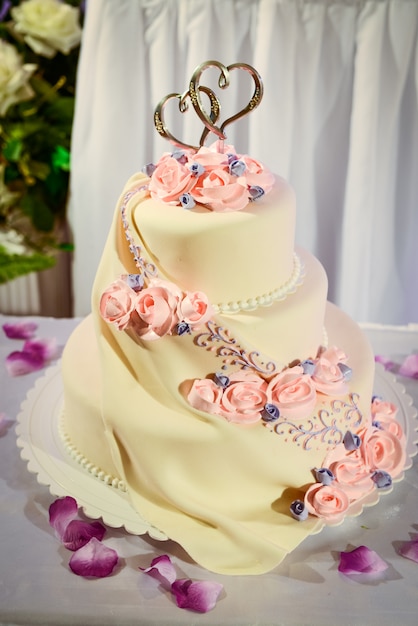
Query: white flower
[48,26]
[14,77]
[12,242]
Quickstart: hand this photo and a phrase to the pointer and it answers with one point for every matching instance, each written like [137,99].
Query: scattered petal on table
[200,596]
[20,363]
[94,560]
[385,361]
[409,550]
[5,422]
[36,353]
[78,533]
[45,349]
[409,367]
[361,560]
[20,330]
[61,512]
[162,569]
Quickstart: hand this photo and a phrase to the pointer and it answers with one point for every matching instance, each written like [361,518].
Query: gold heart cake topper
[194,93]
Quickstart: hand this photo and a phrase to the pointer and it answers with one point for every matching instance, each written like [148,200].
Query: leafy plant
[39,49]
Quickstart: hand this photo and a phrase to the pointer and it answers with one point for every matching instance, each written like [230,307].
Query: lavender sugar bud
[270,412]
[221,380]
[298,510]
[351,441]
[187,201]
[324,476]
[382,479]
[237,167]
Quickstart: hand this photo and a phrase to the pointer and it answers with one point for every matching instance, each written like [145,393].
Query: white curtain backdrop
[339,120]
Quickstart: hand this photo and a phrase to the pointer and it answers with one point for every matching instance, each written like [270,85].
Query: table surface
[37,587]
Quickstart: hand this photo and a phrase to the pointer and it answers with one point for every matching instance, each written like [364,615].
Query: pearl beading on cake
[295,280]
[97,472]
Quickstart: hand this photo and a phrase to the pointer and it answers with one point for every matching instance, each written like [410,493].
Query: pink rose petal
[61,512]
[361,560]
[20,330]
[200,596]
[94,560]
[409,367]
[409,550]
[78,533]
[162,569]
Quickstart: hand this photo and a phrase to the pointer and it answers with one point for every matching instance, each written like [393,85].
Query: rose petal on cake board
[361,560]
[200,596]
[78,533]
[61,512]
[20,330]
[94,560]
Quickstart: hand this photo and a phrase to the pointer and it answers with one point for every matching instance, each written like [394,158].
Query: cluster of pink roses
[379,457]
[154,311]
[220,180]
[293,391]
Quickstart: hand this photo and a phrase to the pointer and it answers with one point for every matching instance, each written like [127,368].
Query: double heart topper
[194,94]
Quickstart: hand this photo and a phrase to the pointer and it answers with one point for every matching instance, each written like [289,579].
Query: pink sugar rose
[383,451]
[170,180]
[221,191]
[256,174]
[156,309]
[350,470]
[210,159]
[243,400]
[382,409]
[117,304]
[194,308]
[326,501]
[205,395]
[328,377]
[293,393]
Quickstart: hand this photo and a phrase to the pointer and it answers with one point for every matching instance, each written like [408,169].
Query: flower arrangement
[39,49]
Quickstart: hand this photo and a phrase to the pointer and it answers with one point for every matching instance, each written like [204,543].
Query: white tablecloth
[37,587]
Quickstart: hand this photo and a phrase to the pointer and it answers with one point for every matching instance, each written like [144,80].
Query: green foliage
[35,149]
[14,265]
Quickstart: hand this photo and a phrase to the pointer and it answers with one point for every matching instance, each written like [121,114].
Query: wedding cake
[213,382]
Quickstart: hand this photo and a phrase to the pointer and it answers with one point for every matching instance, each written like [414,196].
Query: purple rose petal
[78,533]
[35,355]
[5,422]
[20,330]
[94,560]
[21,363]
[61,512]
[200,596]
[409,367]
[162,569]
[409,550]
[385,361]
[45,349]
[361,560]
